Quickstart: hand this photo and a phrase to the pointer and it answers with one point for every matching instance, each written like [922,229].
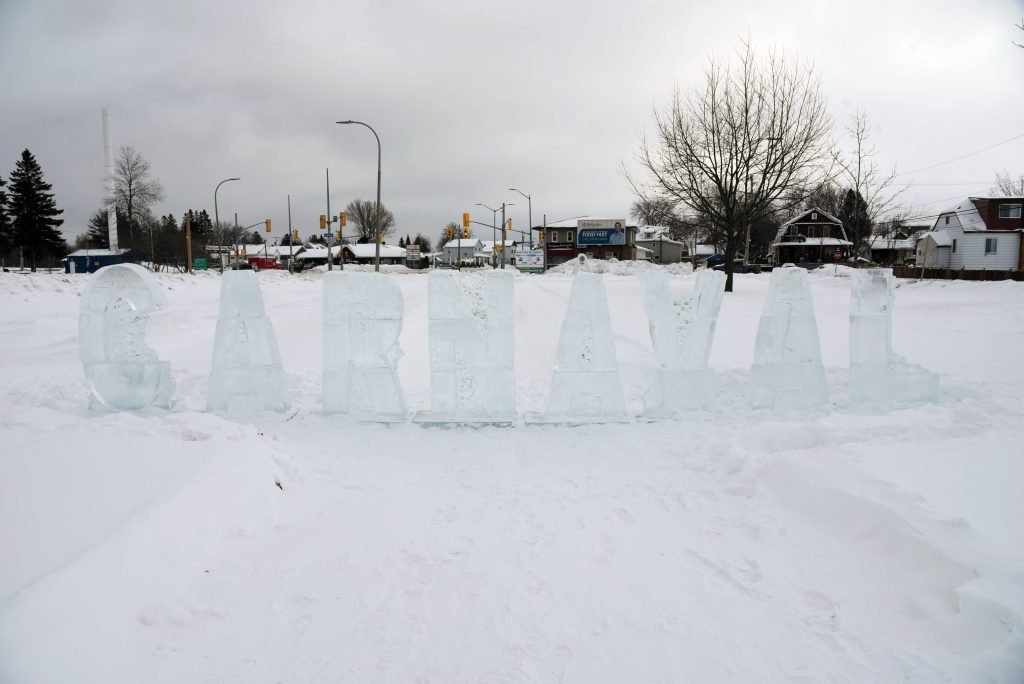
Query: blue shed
[91,260]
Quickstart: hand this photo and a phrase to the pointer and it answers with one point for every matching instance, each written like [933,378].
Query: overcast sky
[471,98]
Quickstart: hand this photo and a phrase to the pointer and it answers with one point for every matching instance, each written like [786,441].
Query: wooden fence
[952,274]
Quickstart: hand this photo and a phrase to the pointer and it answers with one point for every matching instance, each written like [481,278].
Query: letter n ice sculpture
[787,371]
[876,373]
[362,322]
[472,350]
[123,373]
[682,329]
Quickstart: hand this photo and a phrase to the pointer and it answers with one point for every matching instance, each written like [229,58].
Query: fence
[952,274]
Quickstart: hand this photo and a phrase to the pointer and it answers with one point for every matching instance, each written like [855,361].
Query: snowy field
[848,544]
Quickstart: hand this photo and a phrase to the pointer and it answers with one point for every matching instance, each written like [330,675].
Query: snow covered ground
[849,544]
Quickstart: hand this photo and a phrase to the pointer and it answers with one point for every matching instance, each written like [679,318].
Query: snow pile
[847,543]
[616,267]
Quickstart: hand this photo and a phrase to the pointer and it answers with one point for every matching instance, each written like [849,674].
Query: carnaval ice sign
[472,348]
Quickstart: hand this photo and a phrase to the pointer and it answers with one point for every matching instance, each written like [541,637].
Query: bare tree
[1008,186]
[1021,27]
[753,137]
[362,214]
[135,190]
[859,171]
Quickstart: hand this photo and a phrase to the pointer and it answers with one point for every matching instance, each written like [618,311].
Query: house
[810,237]
[316,256]
[367,254]
[91,260]
[464,252]
[284,253]
[492,252]
[978,234]
[658,246]
[596,237]
[892,249]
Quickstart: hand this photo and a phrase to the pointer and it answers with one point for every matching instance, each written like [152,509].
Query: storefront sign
[610,232]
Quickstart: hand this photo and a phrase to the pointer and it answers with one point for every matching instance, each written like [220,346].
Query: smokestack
[108,151]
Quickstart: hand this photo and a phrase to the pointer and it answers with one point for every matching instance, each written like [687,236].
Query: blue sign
[601,236]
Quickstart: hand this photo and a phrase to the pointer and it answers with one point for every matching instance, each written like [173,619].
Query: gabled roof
[796,219]
[454,243]
[97,252]
[939,237]
[368,250]
[572,222]
[318,252]
[967,213]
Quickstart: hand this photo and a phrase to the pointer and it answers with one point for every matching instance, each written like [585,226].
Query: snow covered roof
[318,252]
[651,232]
[882,242]
[454,243]
[967,213]
[97,252]
[661,239]
[369,251]
[488,245]
[939,237]
[704,250]
[251,249]
[796,219]
[285,250]
[644,249]
[814,242]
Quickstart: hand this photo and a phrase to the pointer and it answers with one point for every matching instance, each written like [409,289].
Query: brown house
[598,238]
[811,237]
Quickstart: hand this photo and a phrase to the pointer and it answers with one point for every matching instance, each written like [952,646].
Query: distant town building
[596,237]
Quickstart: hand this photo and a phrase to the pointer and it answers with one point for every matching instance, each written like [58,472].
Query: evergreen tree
[98,235]
[856,220]
[402,242]
[33,212]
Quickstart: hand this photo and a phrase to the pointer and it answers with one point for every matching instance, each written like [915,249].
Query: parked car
[714,260]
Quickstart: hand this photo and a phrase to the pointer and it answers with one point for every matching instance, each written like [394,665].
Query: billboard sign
[530,261]
[601,232]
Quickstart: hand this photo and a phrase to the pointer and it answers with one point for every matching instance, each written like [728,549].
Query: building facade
[811,237]
[597,238]
[978,234]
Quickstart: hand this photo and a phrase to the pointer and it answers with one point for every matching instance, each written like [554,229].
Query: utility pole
[188,240]
[330,260]
[291,239]
[237,251]
[503,226]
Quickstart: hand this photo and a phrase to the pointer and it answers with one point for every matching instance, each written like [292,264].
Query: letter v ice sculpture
[682,330]
[787,371]
[362,322]
[876,373]
[123,373]
[246,374]
[585,386]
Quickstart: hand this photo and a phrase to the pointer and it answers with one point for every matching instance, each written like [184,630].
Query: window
[554,236]
[991,245]
[569,236]
[814,216]
[947,220]
[1009,211]
[954,246]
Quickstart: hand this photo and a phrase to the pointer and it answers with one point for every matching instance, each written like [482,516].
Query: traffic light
[268,225]
[338,235]
[295,234]
[323,221]
[540,235]
[465,231]
[465,220]
[343,219]
[510,224]
[449,232]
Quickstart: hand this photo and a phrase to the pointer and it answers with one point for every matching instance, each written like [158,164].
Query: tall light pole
[494,212]
[376,258]
[529,202]
[216,217]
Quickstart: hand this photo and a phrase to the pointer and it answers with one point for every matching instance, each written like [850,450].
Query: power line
[965,156]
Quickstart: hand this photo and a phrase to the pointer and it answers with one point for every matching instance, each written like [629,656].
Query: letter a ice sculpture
[682,330]
[472,350]
[362,322]
[585,386]
[876,373]
[123,373]
[787,371]
[246,374]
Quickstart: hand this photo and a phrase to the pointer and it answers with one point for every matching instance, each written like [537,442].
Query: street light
[216,217]
[494,213]
[529,202]
[376,259]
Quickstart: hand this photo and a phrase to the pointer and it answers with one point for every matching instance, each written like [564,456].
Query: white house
[367,253]
[979,233]
[493,256]
[465,251]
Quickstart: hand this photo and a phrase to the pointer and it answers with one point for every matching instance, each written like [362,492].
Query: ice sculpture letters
[123,373]
[362,322]
[472,350]
[787,371]
[876,373]
[585,386]
[682,330]
[246,374]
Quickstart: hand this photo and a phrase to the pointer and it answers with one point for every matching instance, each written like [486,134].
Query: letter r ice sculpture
[362,322]
[472,349]
[123,373]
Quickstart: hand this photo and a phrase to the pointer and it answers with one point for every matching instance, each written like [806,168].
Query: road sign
[838,255]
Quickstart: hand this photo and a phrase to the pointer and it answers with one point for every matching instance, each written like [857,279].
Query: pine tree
[33,212]
[6,235]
